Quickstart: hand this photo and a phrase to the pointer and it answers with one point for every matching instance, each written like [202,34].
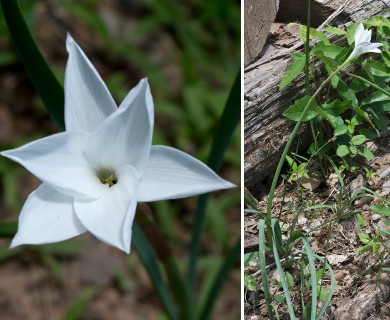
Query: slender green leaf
[381,209]
[227,124]
[75,311]
[336,31]
[331,287]
[64,248]
[386,58]
[293,70]
[46,84]
[232,257]
[366,117]
[263,268]
[148,258]
[333,120]
[248,257]
[8,229]
[281,274]
[313,278]
[377,96]
[376,68]
[346,92]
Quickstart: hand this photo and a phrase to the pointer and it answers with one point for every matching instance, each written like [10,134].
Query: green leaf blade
[294,111]
[293,70]
[342,151]
[358,140]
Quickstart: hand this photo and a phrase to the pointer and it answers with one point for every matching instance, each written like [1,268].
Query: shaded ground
[337,241]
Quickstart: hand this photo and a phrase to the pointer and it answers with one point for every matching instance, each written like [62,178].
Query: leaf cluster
[355,113]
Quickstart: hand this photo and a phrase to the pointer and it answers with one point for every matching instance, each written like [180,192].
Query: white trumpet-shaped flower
[363,43]
[96,171]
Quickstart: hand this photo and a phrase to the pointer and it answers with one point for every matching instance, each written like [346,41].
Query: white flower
[96,171]
[363,43]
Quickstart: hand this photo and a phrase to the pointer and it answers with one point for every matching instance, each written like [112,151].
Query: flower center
[107,177]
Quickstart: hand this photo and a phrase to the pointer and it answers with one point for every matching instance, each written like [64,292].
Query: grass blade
[331,288]
[77,308]
[281,274]
[221,140]
[232,257]
[263,269]
[148,258]
[313,278]
[46,84]
[8,229]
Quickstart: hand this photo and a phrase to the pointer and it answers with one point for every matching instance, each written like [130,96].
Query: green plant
[341,126]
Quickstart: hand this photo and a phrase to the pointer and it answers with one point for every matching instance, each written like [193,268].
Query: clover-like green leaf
[358,140]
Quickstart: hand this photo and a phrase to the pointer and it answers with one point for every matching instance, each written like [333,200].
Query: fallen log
[266,131]
[259,16]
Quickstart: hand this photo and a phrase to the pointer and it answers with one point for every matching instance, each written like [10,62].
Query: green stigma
[107,177]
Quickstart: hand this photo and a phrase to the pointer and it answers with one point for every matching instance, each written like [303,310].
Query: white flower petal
[363,43]
[373,47]
[360,34]
[111,216]
[47,216]
[59,161]
[126,136]
[172,174]
[87,99]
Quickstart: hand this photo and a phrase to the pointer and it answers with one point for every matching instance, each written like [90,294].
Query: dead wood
[259,16]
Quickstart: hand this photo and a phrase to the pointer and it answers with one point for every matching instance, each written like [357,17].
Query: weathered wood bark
[297,10]
[266,131]
[259,16]
[369,299]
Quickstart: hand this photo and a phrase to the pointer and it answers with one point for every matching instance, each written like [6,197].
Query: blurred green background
[190,51]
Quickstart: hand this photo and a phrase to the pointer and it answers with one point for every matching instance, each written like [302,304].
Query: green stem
[307,50]
[369,82]
[288,145]
[307,71]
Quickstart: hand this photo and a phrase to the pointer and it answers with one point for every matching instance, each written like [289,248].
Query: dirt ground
[338,240]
